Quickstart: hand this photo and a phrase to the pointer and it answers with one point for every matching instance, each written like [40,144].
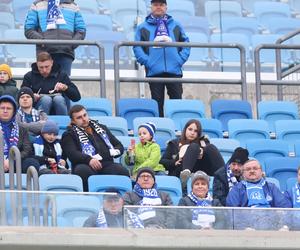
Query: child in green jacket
[146,153]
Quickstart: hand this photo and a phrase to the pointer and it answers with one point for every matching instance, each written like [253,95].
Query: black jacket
[39,84]
[112,220]
[24,144]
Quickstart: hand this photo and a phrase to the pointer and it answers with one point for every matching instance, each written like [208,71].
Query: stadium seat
[245,129]
[177,109]
[248,6]
[117,125]
[210,188]
[225,110]
[282,168]
[179,8]
[225,146]
[88,6]
[198,56]
[170,185]
[20,9]
[130,108]
[6,21]
[297,148]
[60,183]
[295,5]
[281,25]
[197,24]
[96,23]
[288,130]
[100,183]
[272,111]
[262,149]
[290,183]
[210,127]
[96,106]
[62,121]
[274,181]
[23,180]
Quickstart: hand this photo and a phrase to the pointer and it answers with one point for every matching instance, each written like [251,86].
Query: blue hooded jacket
[163,59]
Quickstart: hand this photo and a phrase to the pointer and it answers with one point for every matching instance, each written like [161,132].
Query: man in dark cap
[162,61]
[229,175]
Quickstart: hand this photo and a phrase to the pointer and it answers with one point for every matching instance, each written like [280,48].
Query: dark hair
[183,139]
[75,109]
[43,56]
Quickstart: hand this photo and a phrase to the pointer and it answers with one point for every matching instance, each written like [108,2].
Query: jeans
[57,102]
[64,61]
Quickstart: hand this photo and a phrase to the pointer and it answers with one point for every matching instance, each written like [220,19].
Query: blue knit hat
[50,127]
[150,126]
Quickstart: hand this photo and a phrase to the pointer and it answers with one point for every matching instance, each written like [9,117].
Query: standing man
[162,61]
[52,87]
[57,20]
[91,147]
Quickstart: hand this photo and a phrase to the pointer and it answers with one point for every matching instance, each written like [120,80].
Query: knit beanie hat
[7,69]
[240,155]
[145,170]
[50,127]
[159,1]
[199,175]
[150,127]
[25,90]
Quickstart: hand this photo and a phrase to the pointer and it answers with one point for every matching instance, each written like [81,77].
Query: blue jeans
[64,61]
[57,102]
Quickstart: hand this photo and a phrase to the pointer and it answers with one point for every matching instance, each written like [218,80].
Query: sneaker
[184,176]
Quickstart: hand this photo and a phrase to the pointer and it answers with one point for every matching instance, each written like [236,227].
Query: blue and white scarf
[54,14]
[150,198]
[35,115]
[134,220]
[10,132]
[230,177]
[296,195]
[202,216]
[256,195]
[101,220]
[162,31]
[38,146]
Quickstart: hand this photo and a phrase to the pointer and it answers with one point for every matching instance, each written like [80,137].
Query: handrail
[72,42]
[50,200]
[119,79]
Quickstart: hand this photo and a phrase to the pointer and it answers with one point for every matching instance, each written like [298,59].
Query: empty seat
[272,111]
[282,25]
[248,6]
[117,125]
[62,121]
[6,21]
[197,24]
[88,6]
[60,183]
[177,109]
[225,110]
[170,185]
[96,106]
[130,108]
[297,148]
[198,55]
[20,9]
[96,23]
[288,130]
[179,8]
[225,146]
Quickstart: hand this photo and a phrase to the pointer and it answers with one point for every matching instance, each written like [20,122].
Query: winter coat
[164,59]
[112,220]
[9,88]
[36,26]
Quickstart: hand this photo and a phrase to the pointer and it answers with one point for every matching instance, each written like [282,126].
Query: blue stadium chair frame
[170,185]
[60,182]
[117,125]
[225,146]
[96,106]
[63,121]
[290,183]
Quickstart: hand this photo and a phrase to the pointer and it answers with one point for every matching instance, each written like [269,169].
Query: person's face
[6,111]
[158,9]
[81,118]
[200,188]
[113,205]
[25,101]
[144,135]
[145,180]
[4,77]
[191,132]
[49,137]
[45,67]
[236,168]
[252,171]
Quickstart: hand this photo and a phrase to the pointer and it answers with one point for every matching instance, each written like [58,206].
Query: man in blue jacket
[47,19]
[162,61]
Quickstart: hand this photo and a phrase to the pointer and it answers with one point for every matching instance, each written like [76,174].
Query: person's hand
[6,165]
[178,162]
[62,162]
[95,164]
[36,97]
[60,87]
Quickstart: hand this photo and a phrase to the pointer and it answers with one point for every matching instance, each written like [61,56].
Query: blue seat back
[96,106]
[63,121]
[290,183]
[60,182]
[170,185]
[225,146]
[288,130]
[117,125]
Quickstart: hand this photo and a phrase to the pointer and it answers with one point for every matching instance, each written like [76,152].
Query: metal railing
[241,81]
[101,78]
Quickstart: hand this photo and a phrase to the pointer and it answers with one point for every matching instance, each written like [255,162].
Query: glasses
[252,169]
[144,176]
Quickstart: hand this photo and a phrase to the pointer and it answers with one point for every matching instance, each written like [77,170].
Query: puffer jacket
[9,88]
[36,26]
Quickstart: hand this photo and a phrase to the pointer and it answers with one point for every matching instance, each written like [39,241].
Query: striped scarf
[35,114]
[54,14]
[296,195]
[230,177]
[10,135]
[101,220]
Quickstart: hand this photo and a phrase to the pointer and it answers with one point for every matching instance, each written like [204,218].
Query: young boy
[48,151]
[8,86]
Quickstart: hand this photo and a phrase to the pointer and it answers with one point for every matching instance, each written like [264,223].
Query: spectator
[147,152]
[201,217]
[14,135]
[8,86]
[145,193]
[52,87]
[190,153]
[255,191]
[65,24]
[162,61]
[48,152]
[229,175]
[27,116]
[111,215]
[91,147]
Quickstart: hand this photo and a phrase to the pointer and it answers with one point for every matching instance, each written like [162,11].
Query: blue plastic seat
[117,125]
[20,9]
[272,111]
[63,121]
[225,146]
[194,24]
[170,185]
[96,106]
[248,6]
[282,168]
[100,183]
[297,148]
[130,108]
[179,8]
[290,182]
[177,109]
[96,23]
[60,182]
[210,127]
[288,130]
[225,110]
[245,129]
[23,180]
[274,181]
[281,25]
[7,21]
[88,6]
[198,56]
